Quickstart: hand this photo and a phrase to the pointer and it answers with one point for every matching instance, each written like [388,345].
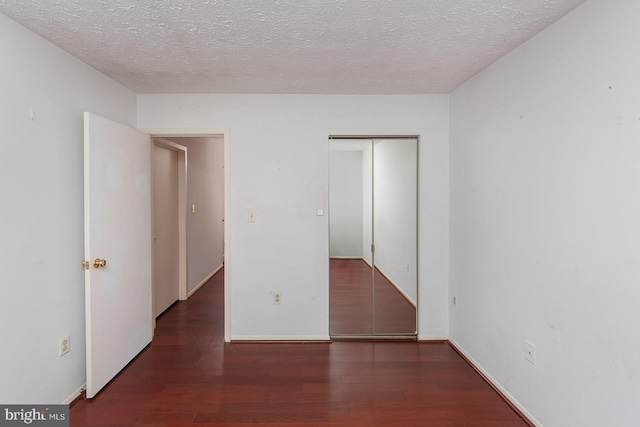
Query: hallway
[188,376]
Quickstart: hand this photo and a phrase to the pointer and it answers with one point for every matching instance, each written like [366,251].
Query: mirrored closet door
[373,236]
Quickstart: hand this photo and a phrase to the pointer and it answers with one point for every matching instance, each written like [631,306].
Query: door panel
[394,223]
[350,238]
[166,274]
[117,229]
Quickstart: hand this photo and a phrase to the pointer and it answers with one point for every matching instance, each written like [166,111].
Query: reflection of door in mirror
[372,238]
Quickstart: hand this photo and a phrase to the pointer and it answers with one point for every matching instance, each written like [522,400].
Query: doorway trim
[207,133]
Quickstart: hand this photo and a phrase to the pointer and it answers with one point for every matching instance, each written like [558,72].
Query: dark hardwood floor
[351,304]
[189,377]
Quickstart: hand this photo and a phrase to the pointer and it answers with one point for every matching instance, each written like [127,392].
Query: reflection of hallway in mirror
[350,302]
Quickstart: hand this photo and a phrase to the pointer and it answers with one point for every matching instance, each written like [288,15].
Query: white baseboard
[199,285]
[280,338]
[73,396]
[344,257]
[487,376]
[434,339]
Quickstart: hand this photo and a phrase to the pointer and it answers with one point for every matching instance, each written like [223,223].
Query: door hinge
[373,248]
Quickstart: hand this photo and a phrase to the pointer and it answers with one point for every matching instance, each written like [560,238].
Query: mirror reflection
[372,241]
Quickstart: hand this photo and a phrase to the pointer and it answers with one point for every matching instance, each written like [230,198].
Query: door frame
[207,133]
[182,215]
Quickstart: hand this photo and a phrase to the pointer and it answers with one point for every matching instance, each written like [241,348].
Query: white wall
[205,189]
[545,218]
[345,204]
[279,168]
[395,206]
[41,219]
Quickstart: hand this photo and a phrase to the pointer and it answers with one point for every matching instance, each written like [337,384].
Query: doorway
[373,237]
[189,209]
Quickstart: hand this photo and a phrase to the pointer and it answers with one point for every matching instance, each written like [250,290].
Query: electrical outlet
[276,298]
[530,352]
[64,345]
[252,216]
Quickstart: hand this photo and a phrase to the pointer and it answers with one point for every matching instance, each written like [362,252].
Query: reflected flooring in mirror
[351,306]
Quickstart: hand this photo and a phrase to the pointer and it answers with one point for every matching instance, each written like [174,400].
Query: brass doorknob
[97,263]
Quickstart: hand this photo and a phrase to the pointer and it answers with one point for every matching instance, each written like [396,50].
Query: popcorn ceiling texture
[288,46]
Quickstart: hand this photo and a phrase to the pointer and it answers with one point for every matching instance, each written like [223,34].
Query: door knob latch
[97,263]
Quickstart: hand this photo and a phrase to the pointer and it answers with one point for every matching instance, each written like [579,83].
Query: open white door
[117,215]
[166,228]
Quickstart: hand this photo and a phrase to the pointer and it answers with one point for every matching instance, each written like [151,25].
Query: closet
[373,236]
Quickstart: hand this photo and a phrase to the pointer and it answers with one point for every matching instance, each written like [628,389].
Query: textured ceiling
[288,46]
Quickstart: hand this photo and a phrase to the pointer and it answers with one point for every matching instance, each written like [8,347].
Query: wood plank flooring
[352,306]
[189,377]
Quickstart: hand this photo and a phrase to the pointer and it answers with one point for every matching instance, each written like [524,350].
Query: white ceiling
[288,46]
